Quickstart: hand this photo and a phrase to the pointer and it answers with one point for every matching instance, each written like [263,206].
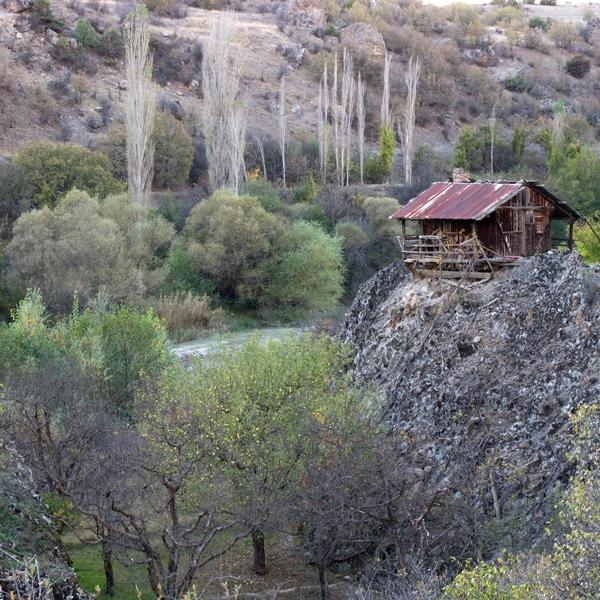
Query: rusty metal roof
[462,201]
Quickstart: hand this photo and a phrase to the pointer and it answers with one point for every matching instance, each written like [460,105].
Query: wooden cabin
[454,227]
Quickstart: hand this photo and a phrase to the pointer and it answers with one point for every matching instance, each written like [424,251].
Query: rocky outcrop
[306,13]
[484,381]
[17,6]
[364,37]
[30,547]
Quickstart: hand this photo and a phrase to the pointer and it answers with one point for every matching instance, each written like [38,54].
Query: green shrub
[379,167]
[51,170]
[173,151]
[15,197]
[308,212]
[265,192]
[72,250]
[539,23]
[231,240]
[306,193]
[42,12]
[578,66]
[309,271]
[85,34]
[331,30]
[515,83]
[588,244]
[183,275]
[111,44]
[134,346]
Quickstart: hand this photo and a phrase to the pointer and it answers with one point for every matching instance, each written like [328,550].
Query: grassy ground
[87,562]
[286,569]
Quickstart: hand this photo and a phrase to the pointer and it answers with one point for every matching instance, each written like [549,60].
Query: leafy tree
[85,34]
[265,192]
[231,240]
[53,169]
[379,167]
[15,197]
[573,171]
[309,271]
[173,151]
[256,401]
[134,345]
[148,237]
[72,250]
[588,243]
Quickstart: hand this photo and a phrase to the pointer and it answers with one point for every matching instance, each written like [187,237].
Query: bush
[265,192]
[111,44]
[85,34]
[309,271]
[379,167]
[53,169]
[588,244]
[148,237]
[231,240]
[72,250]
[15,197]
[578,66]
[173,151]
[539,23]
[43,14]
[186,316]
[515,83]
[564,35]
[134,346]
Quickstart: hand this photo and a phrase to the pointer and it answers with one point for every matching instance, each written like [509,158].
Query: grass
[87,562]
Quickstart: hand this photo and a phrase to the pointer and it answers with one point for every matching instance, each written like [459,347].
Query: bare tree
[406,125]
[140,106]
[282,125]
[237,146]
[360,115]
[323,130]
[347,115]
[223,112]
[492,138]
[385,112]
[335,117]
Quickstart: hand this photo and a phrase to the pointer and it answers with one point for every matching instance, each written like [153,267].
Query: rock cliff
[483,382]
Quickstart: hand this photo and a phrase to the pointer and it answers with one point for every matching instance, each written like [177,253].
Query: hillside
[472,59]
[481,383]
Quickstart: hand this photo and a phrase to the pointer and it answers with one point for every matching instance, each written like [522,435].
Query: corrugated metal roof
[460,201]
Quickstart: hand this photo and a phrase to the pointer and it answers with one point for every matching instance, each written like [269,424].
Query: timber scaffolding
[451,256]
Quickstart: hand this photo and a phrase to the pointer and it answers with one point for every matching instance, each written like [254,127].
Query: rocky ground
[483,382]
[31,551]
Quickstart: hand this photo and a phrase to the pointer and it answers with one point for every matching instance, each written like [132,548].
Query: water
[214,343]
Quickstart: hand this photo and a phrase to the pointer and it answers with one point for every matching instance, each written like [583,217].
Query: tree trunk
[107,561]
[325,595]
[258,544]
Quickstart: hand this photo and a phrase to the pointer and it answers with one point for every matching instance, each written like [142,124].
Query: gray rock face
[363,36]
[485,380]
[17,6]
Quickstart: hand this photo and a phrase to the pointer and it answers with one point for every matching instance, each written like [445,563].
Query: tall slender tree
[140,106]
[223,114]
[406,125]
[360,116]
[385,111]
[282,126]
[323,124]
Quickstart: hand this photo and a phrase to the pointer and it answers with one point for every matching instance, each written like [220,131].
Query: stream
[213,343]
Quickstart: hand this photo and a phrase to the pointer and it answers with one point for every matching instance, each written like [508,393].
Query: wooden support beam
[455,274]
[570,239]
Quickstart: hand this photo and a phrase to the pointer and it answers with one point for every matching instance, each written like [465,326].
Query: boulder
[17,6]
[306,13]
[364,37]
